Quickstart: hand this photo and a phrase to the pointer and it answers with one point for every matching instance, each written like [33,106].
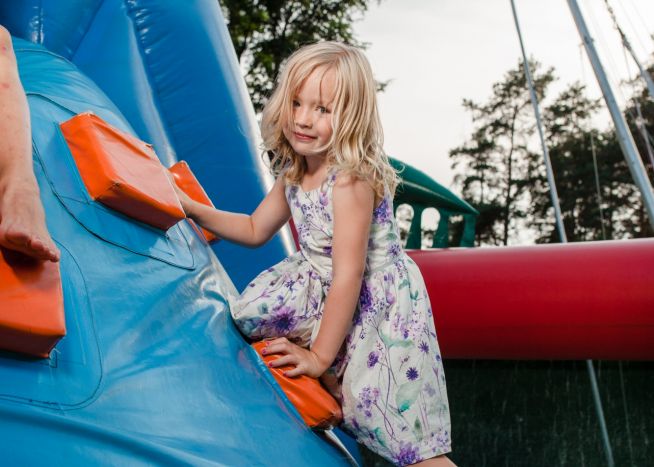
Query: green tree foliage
[265,32]
[599,200]
[495,168]
[506,181]
[640,116]
[571,142]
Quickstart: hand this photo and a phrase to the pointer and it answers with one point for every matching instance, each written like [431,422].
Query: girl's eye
[322,110]
[296,104]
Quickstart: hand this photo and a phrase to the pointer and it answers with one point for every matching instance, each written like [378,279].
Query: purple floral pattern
[389,374]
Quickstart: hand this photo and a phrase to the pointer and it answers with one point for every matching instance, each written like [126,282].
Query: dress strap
[329,180]
[332,173]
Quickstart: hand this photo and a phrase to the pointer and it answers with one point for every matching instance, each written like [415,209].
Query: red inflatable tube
[574,301]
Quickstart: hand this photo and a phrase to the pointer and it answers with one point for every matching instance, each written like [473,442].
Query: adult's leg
[22,220]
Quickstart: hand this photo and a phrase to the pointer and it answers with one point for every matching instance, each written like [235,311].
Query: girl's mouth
[303,137]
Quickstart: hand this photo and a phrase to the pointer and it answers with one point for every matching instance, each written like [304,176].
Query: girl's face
[312,114]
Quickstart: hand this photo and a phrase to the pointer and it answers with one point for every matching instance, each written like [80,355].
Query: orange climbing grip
[121,171]
[316,406]
[31,304]
[186,181]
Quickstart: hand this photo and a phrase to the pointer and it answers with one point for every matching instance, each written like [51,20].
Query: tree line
[500,168]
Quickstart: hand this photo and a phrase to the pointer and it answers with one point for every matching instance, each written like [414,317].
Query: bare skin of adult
[22,219]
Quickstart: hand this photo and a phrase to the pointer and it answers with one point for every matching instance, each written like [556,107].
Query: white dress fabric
[388,375]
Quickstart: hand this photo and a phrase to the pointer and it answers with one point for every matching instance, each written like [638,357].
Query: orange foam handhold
[31,304]
[186,181]
[316,406]
[122,171]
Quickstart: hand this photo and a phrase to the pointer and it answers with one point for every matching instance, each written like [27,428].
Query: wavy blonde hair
[356,145]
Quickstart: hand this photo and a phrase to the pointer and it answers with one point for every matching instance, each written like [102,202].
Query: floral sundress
[388,374]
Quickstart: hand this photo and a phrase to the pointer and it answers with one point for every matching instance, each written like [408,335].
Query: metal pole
[555,202]
[546,155]
[627,45]
[600,413]
[640,123]
[634,162]
[643,72]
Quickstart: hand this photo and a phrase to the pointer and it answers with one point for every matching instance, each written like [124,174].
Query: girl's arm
[353,205]
[254,230]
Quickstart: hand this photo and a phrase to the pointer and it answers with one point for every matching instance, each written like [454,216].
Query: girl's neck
[315,165]
[315,173]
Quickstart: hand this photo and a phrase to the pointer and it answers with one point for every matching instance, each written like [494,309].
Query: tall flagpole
[634,162]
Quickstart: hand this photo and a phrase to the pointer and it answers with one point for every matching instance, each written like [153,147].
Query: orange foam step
[31,304]
[316,406]
[188,183]
[121,171]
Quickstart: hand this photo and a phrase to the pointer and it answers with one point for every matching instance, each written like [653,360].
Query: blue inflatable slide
[152,371]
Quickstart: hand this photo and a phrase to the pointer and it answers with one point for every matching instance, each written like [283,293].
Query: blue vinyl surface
[152,370]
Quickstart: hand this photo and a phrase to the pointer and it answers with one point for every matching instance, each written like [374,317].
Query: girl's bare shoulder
[351,187]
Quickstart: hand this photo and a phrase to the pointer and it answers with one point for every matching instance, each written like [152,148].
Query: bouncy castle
[143,366]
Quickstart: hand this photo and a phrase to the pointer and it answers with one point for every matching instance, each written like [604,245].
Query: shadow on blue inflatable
[152,369]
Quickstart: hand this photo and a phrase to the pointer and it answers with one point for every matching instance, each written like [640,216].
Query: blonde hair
[356,145]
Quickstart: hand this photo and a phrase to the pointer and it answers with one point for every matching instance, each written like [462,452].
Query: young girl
[350,307]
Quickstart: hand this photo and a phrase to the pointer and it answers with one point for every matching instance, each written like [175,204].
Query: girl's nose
[302,118]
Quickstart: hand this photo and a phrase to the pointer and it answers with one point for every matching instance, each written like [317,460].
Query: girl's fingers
[277,346]
[274,348]
[297,371]
[278,340]
[291,355]
[285,360]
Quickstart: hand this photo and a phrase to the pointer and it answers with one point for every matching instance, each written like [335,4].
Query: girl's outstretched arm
[353,205]
[253,230]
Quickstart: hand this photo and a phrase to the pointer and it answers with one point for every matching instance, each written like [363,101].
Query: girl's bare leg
[440,461]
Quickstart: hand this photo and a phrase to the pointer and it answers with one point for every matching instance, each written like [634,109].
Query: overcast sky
[438,52]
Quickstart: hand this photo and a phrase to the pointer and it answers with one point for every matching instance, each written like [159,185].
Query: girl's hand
[306,362]
[184,199]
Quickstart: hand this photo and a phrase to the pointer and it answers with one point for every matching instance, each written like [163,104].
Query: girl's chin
[317,155]
[308,153]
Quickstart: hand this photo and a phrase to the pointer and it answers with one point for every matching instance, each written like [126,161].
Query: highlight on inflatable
[151,369]
[124,353]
